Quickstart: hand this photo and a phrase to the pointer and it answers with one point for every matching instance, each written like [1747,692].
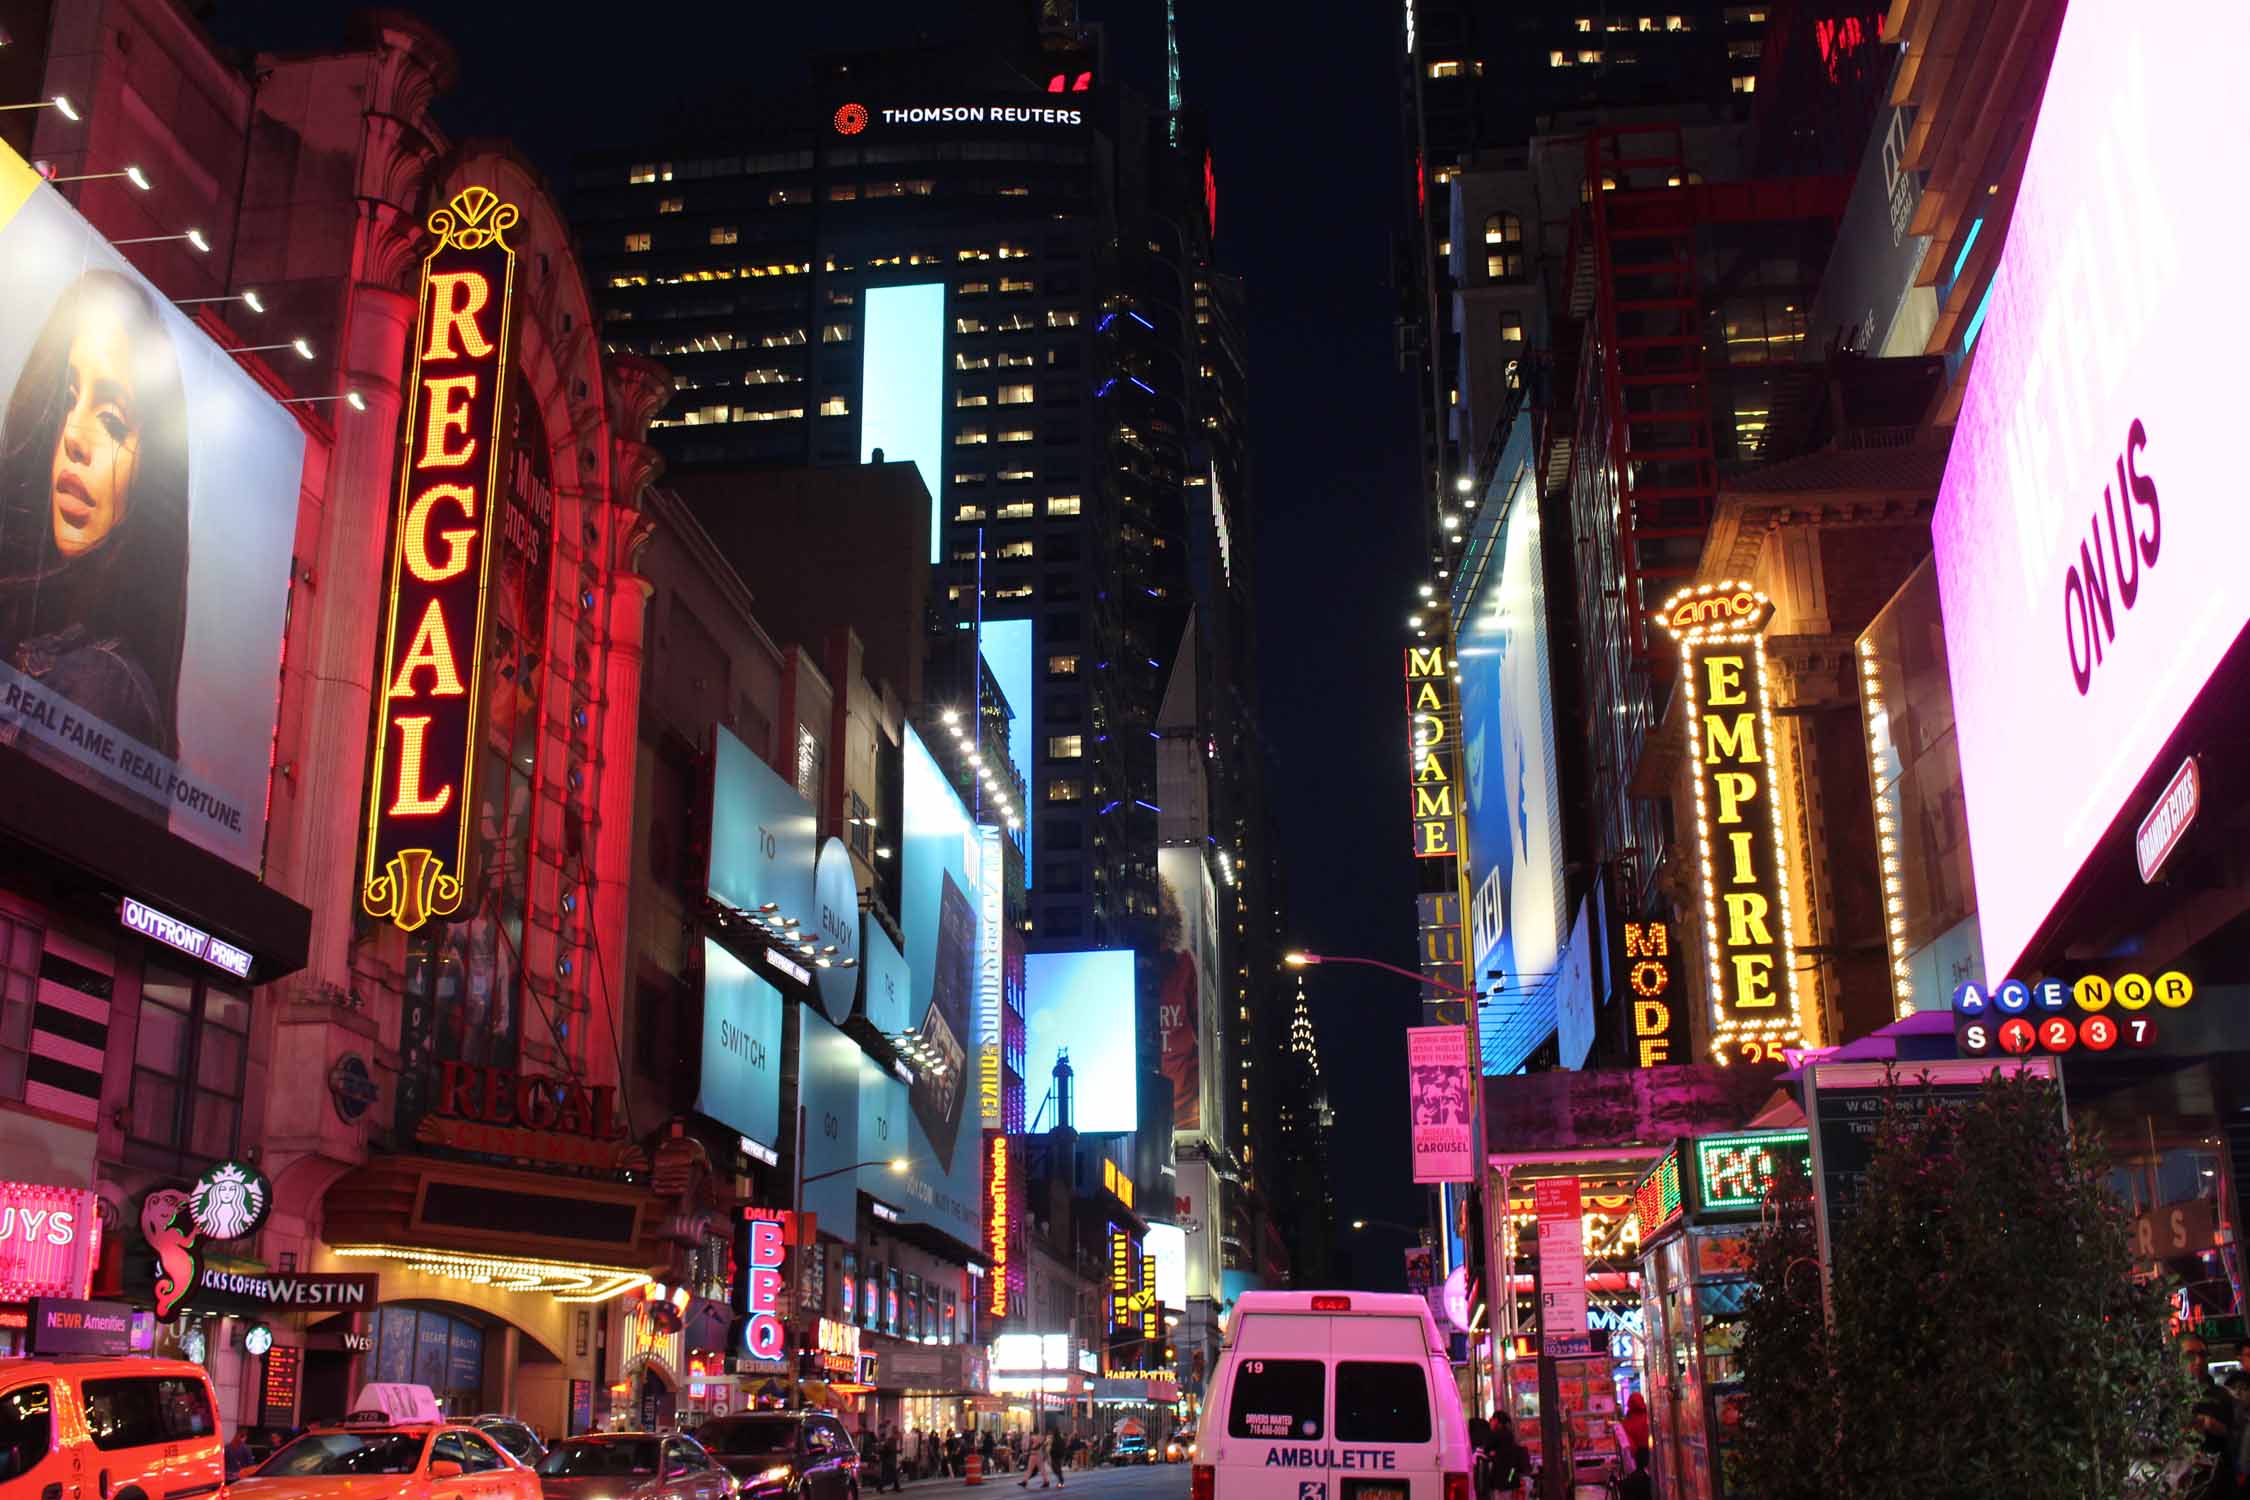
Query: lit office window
[973,288]
[635,242]
[968,435]
[1016,510]
[1065,746]
[968,325]
[1018,435]
[971,398]
[1017,549]
[1015,395]
[725,234]
[671,205]
[835,406]
[1065,789]
[968,512]
[835,333]
[1062,666]
[1062,317]
[1745,83]
[1017,284]
[1062,505]
[972,361]
[1446,69]
[1503,235]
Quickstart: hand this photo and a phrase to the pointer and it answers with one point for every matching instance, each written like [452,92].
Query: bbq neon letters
[419,804]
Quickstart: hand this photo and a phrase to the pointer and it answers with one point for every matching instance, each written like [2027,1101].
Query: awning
[581,1239]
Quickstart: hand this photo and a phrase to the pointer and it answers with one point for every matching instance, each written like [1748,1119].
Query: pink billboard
[2091,532]
[50,1240]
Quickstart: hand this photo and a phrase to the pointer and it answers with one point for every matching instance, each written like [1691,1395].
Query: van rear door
[1324,1407]
[1272,1436]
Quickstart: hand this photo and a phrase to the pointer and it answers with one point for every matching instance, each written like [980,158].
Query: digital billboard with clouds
[1511,810]
[1082,1003]
[148,503]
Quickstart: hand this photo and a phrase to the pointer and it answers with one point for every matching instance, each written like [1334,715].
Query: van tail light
[1456,1486]
[1203,1484]
[1331,1304]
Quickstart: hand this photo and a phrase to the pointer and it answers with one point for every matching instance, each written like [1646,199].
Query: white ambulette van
[1332,1396]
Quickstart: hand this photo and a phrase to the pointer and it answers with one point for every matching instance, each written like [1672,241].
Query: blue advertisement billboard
[939,868]
[1082,1003]
[1511,810]
[741,1079]
[828,1064]
[888,982]
[902,401]
[1006,648]
[762,836]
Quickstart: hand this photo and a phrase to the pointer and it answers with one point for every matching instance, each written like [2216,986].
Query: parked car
[522,1443]
[639,1465]
[414,1461]
[131,1429]
[806,1455]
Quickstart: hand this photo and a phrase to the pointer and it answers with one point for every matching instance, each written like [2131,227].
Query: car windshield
[347,1453]
[517,1439]
[580,1460]
[747,1436]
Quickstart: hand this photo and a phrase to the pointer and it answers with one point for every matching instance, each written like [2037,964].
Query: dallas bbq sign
[419,808]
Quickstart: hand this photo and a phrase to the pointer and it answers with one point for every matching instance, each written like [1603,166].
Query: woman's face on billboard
[96,447]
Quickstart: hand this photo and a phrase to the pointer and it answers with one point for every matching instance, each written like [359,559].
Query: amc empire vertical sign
[1749,953]
[1431,711]
[420,808]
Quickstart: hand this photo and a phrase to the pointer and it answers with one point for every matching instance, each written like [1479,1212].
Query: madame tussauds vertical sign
[419,798]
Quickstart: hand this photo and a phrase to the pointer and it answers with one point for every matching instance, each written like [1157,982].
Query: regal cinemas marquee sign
[420,811]
[1432,710]
[1750,957]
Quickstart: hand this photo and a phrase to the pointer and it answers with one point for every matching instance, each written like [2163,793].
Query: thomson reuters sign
[854,118]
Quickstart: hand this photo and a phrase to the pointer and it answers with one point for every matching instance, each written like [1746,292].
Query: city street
[1134,1482]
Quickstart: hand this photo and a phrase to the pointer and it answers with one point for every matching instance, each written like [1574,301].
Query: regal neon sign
[1743,862]
[419,807]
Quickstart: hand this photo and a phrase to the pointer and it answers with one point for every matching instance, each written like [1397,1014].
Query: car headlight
[775,1475]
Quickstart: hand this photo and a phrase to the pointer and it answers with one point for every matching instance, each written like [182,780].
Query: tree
[1988,1334]
[1789,1418]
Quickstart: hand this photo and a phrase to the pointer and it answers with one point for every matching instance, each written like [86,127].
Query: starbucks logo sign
[229,1201]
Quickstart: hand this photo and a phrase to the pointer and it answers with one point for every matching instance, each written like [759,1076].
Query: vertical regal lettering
[418,803]
[1430,711]
[1750,958]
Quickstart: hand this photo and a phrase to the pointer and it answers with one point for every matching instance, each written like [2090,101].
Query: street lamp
[1299,959]
[896,1164]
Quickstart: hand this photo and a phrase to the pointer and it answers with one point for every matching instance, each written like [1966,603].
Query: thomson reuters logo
[851,119]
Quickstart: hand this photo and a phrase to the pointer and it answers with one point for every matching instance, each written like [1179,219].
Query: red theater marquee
[420,808]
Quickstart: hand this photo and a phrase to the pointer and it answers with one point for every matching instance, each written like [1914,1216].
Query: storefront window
[913,1307]
[421,1346]
[189,1057]
[848,1312]
[19,990]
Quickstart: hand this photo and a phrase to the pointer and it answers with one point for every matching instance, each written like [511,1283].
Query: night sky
[1305,118]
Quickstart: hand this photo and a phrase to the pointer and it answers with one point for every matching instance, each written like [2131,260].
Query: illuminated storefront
[1692,1211]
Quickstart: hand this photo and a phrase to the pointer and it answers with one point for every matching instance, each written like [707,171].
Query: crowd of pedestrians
[924,1454]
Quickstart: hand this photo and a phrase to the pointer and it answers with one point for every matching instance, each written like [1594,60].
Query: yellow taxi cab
[101,1428]
[370,1456]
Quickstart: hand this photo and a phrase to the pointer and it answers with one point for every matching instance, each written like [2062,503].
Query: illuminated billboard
[902,386]
[1510,805]
[1082,1003]
[420,796]
[149,508]
[764,837]
[740,1084]
[2090,531]
[941,861]
[1006,648]
[1750,956]
[1187,988]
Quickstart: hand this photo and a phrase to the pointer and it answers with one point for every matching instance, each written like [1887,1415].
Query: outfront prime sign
[2091,529]
[419,806]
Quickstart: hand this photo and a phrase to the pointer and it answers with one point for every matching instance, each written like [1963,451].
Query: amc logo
[1715,608]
